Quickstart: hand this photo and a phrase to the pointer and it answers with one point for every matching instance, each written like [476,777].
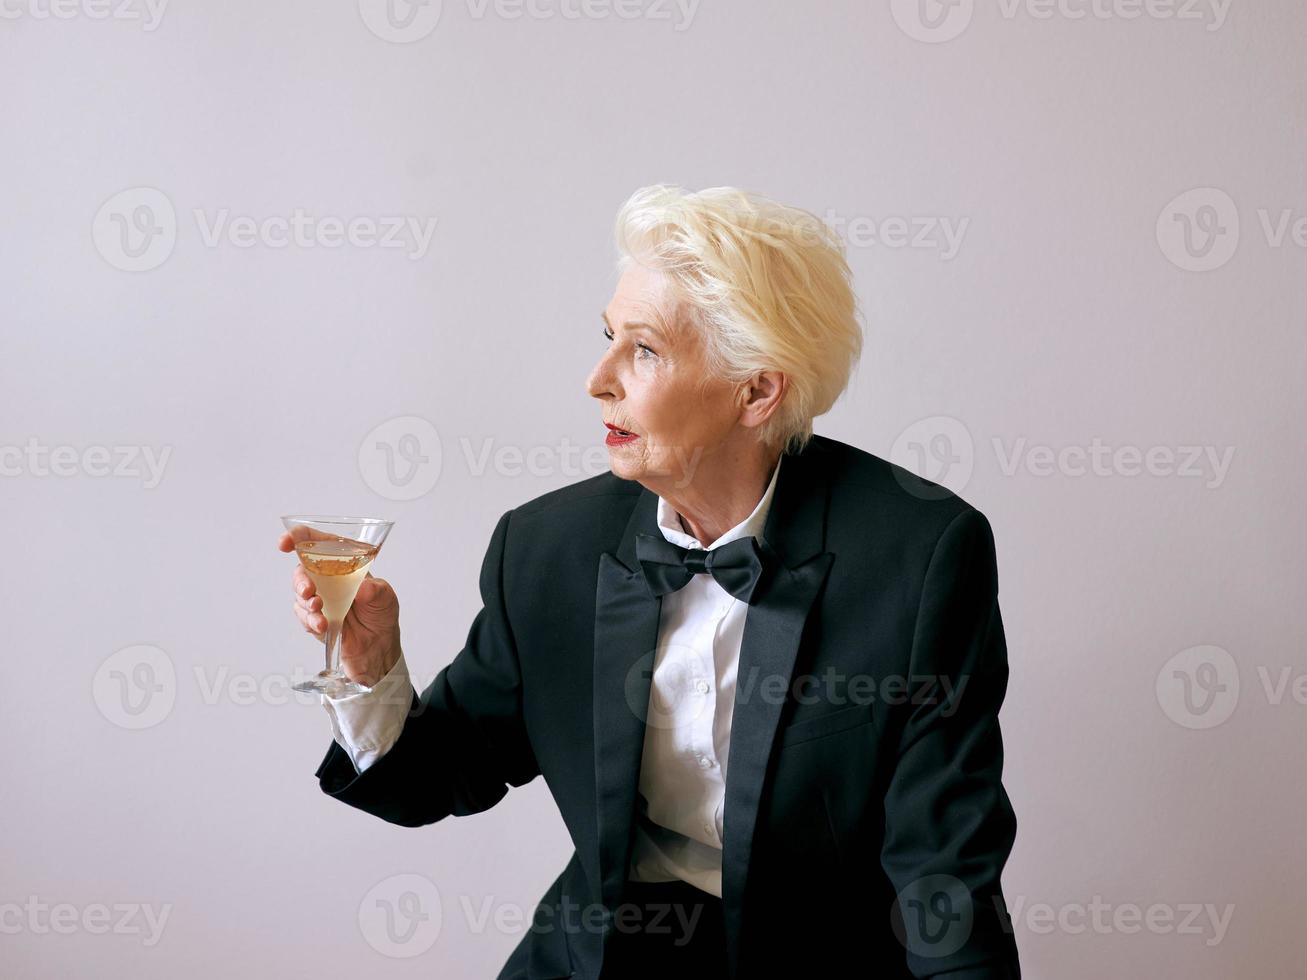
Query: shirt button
[701,687]
[704,762]
[708,829]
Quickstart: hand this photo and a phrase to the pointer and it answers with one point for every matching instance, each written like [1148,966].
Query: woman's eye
[644,351]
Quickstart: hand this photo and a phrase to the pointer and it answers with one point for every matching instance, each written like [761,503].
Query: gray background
[1062,319]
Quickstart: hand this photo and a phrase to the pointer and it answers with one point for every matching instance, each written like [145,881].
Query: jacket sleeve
[464,741]
[949,825]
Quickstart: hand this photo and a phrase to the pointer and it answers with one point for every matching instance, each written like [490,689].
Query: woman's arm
[949,825]
[464,741]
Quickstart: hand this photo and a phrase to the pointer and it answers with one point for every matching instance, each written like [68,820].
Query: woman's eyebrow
[637,324]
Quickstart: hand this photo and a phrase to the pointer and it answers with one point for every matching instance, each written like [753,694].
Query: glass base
[332,684]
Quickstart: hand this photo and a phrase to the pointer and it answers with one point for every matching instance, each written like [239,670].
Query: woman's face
[652,381]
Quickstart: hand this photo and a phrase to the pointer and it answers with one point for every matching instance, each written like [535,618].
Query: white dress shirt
[687,736]
[682,790]
[366,725]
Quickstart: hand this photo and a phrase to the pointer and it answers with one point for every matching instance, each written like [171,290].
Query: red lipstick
[617,437]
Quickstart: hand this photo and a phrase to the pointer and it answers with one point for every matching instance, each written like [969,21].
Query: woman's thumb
[371,589]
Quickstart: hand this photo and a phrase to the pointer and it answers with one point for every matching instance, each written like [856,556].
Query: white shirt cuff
[366,725]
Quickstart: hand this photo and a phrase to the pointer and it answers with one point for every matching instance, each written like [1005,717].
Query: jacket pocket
[828,723]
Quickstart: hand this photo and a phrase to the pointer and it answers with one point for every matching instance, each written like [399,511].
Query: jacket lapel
[626,640]
[795,529]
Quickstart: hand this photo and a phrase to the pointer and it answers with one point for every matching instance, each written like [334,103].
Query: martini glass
[336,552]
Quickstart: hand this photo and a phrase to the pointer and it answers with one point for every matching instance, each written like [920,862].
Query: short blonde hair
[767,287]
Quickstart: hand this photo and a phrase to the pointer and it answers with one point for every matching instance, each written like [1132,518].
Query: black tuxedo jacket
[865,822]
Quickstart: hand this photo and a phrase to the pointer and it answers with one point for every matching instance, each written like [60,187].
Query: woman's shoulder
[571,524]
[855,469]
[585,496]
[872,492]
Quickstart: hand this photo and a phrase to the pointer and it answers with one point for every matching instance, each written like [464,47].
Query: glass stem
[332,642]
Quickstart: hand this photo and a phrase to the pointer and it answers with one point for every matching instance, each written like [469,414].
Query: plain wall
[1053,361]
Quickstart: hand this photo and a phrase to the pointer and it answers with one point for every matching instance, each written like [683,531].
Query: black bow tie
[735,566]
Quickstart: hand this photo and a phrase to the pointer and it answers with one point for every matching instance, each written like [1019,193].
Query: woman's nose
[602,382]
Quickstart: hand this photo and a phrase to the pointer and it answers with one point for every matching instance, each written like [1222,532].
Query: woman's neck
[719,497]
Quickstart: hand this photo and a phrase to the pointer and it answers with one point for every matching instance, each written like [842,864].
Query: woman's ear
[761,396]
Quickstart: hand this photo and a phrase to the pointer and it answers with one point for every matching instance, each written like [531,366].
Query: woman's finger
[301,583]
[315,623]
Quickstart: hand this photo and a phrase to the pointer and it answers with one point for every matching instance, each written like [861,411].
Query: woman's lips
[618,437]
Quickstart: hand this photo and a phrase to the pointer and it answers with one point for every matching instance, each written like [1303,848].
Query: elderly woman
[760,670]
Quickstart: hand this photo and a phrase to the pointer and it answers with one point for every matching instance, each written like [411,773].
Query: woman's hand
[369,641]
